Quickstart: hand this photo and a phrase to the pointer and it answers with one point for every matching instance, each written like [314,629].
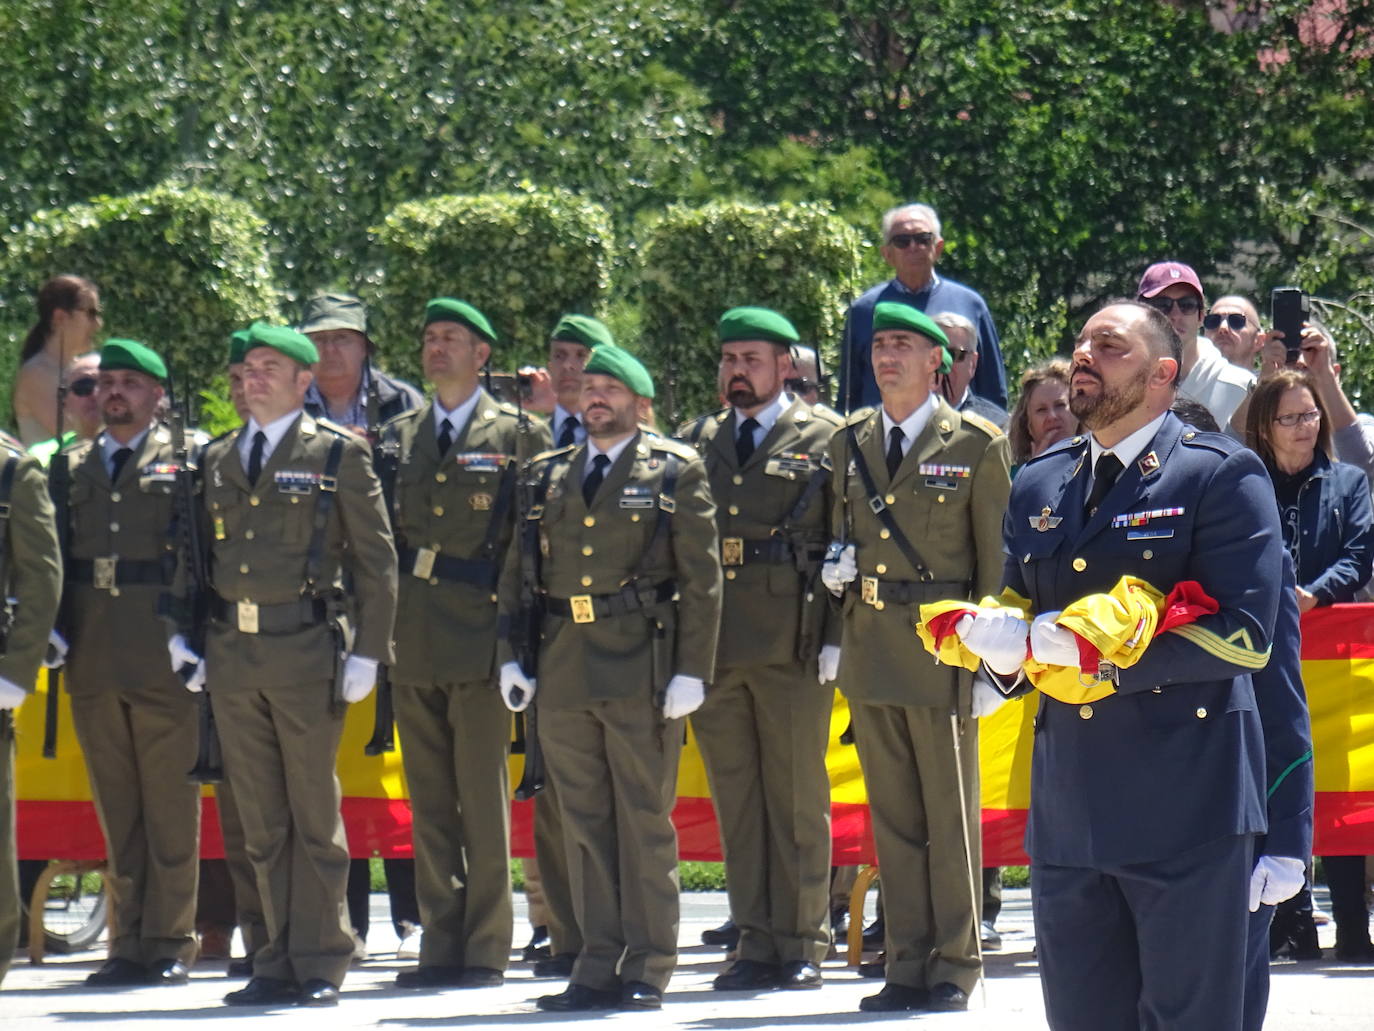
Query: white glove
[182,656]
[56,655]
[683,697]
[840,571]
[517,690]
[996,636]
[1276,879]
[11,695]
[828,663]
[1053,644]
[986,698]
[359,677]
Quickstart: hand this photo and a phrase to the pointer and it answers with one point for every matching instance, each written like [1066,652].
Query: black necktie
[255,457]
[117,461]
[894,450]
[445,437]
[1105,472]
[744,443]
[594,478]
[568,435]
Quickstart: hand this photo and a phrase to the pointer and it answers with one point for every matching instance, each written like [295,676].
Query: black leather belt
[588,608]
[737,551]
[878,593]
[426,564]
[282,618]
[105,573]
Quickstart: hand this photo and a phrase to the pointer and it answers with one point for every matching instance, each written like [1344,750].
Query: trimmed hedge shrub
[523,259]
[796,258]
[177,269]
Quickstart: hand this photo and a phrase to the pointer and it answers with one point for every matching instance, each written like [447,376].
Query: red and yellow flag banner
[57,820]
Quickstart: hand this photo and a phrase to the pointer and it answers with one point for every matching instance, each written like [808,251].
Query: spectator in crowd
[956,384]
[1233,325]
[1041,417]
[805,382]
[68,317]
[1324,509]
[911,246]
[1205,375]
[81,417]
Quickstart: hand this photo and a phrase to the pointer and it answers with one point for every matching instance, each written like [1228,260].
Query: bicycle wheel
[74,916]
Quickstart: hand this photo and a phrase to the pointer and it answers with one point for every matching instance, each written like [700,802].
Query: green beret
[895,315]
[284,340]
[755,324]
[582,329]
[130,354]
[238,345]
[449,309]
[610,360]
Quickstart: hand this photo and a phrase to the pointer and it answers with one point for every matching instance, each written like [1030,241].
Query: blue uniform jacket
[1335,544]
[1175,759]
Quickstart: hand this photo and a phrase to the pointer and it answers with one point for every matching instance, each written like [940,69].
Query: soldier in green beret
[31,569]
[763,728]
[621,546]
[920,492]
[287,500]
[453,467]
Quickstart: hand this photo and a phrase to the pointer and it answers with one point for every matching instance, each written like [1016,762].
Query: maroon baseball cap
[1164,274]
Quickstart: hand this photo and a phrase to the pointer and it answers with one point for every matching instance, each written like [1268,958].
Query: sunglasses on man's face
[83,387]
[1235,320]
[904,240]
[1187,305]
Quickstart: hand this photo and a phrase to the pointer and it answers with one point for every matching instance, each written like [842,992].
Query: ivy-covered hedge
[696,262]
[523,259]
[177,269]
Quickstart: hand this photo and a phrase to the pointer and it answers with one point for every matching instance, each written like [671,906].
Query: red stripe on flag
[1338,632]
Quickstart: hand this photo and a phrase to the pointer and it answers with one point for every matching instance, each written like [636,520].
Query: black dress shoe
[481,977]
[240,967]
[895,998]
[119,973]
[577,998]
[640,996]
[538,947]
[318,992]
[433,976]
[726,935]
[555,966]
[1354,952]
[839,923]
[747,975]
[949,997]
[264,991]
[800,973]
[874,968]
[167,971]
[875,934]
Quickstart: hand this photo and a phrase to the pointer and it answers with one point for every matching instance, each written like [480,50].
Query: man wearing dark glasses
[912,245]
[80,409]
[1205,376]
[1233,326]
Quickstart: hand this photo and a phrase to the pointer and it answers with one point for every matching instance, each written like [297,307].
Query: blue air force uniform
[1146,804]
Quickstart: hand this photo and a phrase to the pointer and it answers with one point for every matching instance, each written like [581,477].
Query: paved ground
[1306,997]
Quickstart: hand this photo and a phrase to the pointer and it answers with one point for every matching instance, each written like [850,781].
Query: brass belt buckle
[248,617]
[104,574]
[583,611]
[868,590]
[424,563]
[732,551]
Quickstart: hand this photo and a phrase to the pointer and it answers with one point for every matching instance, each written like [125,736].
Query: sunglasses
[1307,417]
[1187,305]
[958,356]
[904,240]
[83,387]
[799,386]
[1235,320]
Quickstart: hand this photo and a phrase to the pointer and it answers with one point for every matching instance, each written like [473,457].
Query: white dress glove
[828,663]
[1053,644]
[986,698]
[56,655]
[683,697]
[1276,879]
[839,572]
[996,636]
[11,695]
[517,690]
[359,677]
[182,656]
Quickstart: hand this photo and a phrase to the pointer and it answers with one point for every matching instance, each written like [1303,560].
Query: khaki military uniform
[453,516]
[135,720]
[948,497]
[32,573]
[763,728]
[271,656]
[607,651]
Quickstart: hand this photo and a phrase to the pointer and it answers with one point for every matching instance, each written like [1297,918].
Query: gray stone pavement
[1306,997]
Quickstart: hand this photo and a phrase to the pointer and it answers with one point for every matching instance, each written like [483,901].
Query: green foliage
[694,876]
[178,269]
[696,262]
[215,413]
[523,259]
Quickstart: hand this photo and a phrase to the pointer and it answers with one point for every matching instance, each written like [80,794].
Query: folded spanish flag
[938,619]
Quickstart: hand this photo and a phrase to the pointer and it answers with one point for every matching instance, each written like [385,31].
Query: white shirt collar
[1128,450]
[108,445]
[560,416]
[768,417]
[457,417]
[593,449]
[274,431]
[912,425]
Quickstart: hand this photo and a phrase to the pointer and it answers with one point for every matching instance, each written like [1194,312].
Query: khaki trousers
[552,886]
[247,902]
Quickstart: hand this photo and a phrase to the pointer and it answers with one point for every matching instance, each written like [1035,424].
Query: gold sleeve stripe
[1214,645]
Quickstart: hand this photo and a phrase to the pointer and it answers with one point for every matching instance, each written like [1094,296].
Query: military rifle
[525,629]
[385,459]
[59,487]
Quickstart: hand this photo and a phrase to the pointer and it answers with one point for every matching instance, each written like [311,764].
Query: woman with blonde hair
[1041,417]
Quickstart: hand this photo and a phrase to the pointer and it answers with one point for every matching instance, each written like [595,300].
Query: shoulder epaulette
[986,425]
[338,430]
[508,408]
[77,447]
[670,446]
[409,415]
[1218,442]
[824,413]
[1067,444]
[859,416]
[223,436]
[553,453]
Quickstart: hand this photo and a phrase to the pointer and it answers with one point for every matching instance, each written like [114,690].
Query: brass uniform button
[1147,553]
[440,478]
[114,592]
[891,499]
[114,527]
[434,581]
[248,535]
[880,605]
[1085,712]
[729,574]
[255,501]
[586,581]
[884,534]
[737,479]
[734,510]
[1079,565]
[1026,559]
[243,568]
[589,520]
[586,549]
[116,497]
[1156,690]
[1201,713]
[438,510]
[634,518]
[940,499]
[881,568]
